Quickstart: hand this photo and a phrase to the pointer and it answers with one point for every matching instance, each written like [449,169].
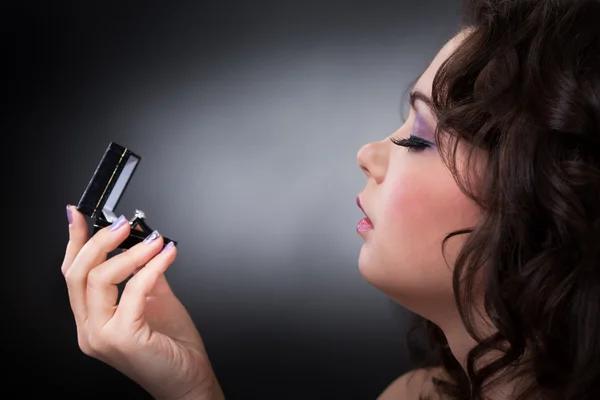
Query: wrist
[213,392]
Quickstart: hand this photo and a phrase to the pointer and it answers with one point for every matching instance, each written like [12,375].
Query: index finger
[78,235]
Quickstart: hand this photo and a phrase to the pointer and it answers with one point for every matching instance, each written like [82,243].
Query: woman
[483,217]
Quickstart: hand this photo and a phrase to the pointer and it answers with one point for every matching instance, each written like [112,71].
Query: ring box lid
[108,183]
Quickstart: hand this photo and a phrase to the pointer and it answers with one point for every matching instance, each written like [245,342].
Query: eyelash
[413,143]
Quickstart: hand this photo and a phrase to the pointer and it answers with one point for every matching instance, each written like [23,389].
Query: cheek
[418,208]
[409,202]
[427,204]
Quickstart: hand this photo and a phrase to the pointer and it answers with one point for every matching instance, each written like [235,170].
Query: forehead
[425,82]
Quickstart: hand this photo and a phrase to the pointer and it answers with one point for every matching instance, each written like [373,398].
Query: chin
[364,262]
[371,269]
[412,291]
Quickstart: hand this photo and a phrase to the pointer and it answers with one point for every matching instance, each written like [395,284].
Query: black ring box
[108,183]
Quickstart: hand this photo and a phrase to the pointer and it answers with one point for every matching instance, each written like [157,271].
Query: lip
[365,224]
[359,204]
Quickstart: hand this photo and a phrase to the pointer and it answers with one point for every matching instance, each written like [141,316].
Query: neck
[461,343]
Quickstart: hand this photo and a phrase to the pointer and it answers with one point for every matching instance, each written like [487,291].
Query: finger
[93,252]
[102,291]
[133,300]
[78,235]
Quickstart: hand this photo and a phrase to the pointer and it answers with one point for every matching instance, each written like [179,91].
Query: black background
[67,64]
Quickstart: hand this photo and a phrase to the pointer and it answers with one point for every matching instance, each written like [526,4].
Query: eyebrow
[416,95]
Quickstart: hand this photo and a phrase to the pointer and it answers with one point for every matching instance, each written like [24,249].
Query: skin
[413,202]
[149,336]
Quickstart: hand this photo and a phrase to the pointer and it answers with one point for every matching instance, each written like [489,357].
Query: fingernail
[167,247]
[118,223]
[69,215]
[151,237]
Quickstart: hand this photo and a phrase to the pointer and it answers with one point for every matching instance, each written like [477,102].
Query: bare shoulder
[413,384]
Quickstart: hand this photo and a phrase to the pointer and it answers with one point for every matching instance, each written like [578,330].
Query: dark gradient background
[248,116]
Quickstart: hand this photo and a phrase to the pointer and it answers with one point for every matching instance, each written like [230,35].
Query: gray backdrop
[248,116]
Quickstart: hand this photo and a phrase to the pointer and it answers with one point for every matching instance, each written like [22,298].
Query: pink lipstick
[364,224]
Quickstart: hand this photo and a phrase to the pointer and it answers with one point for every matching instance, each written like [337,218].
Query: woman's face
[413,202]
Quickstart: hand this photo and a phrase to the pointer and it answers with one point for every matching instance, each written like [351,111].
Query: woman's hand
[148,336]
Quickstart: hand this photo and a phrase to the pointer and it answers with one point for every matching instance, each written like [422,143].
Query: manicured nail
[118,223]
[69,215]
[151,237]
[167,247]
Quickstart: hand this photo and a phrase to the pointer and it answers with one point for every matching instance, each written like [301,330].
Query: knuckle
[107,340]
[71,277]
[96,243]
[98,342]
[102,242]
[83,341]
[138,284]
[95,278]
[137,256]
[99,277]
[134,284]
[84,346]
[129,257]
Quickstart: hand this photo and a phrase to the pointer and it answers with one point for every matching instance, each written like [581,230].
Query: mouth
[364,224]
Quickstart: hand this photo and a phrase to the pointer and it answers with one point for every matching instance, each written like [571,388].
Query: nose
[372,158]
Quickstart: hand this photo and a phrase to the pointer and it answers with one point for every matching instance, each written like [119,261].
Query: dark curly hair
[523,88]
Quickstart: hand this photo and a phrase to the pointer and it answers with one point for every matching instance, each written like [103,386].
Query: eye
[413,143]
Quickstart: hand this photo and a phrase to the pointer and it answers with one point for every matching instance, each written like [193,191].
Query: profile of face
[412,202]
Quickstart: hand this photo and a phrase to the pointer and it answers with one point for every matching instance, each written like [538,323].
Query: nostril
[365,170]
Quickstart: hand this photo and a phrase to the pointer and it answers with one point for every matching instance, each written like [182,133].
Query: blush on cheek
[426,205]
[411,198]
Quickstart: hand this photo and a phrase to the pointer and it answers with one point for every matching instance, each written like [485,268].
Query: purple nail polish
[69,215]
[167,247]
[151,237]
[118,223]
